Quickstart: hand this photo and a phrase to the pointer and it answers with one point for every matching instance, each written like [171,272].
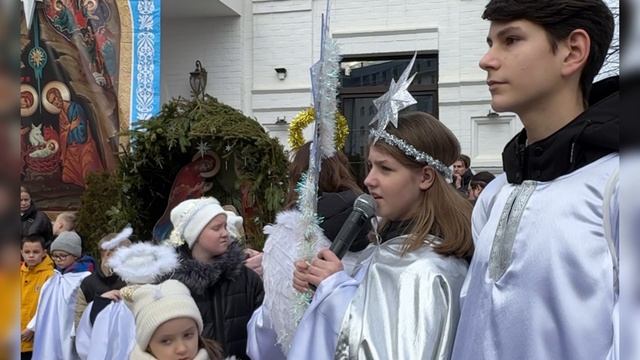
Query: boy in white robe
[543,282]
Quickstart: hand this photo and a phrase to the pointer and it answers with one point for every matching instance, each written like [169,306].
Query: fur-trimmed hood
[198,277]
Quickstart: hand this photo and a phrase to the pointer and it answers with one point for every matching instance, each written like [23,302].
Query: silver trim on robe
[502,246]
[406,307]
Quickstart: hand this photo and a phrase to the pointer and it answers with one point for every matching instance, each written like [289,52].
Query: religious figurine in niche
[78,150]
[190,183]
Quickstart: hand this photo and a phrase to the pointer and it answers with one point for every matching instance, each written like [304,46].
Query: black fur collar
[198,276]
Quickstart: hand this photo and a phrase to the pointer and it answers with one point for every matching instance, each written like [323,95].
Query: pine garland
[161,146]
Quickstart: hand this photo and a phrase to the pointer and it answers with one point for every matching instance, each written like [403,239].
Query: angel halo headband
[410,151]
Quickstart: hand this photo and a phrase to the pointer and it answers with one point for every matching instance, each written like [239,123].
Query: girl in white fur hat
[212,267]
[168,323]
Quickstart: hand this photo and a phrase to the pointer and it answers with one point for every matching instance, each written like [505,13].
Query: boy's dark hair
[465,159]
[559,18]
[34,238]
[482,179]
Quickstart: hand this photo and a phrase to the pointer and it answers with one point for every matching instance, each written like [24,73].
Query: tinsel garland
[325,77]
[329,79]
[279,293]
[305,117]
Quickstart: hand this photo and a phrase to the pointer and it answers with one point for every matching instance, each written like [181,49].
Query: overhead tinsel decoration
[305,117]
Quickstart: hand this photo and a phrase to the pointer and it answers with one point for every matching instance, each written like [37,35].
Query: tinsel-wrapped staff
[296,233]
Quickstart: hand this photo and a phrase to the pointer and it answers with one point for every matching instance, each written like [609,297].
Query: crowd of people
[457,266]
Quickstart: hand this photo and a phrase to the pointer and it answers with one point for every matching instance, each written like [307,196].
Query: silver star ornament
[394,100]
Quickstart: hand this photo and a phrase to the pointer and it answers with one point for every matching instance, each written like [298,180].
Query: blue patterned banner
[145,80]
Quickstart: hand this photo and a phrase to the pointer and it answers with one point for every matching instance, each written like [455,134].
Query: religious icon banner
[89,69]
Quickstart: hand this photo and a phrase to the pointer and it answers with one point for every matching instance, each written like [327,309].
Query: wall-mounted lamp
[282,73]
[281,120]
[198,80]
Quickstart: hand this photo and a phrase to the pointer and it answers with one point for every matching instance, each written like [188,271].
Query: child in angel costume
[401,302]
[107,328]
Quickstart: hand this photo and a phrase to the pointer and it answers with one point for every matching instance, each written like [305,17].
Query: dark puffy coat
[334,209]
[36,222]
[227,293]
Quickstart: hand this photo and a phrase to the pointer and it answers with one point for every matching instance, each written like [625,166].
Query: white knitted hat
[191,216]
[153,305]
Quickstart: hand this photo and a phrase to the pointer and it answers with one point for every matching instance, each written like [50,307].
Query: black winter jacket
[36,222]
[590,136]
[227,293]
[334,209]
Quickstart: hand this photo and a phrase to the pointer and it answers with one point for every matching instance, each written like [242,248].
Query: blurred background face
[58,226]
[105,255]
[474,192]
[459,168]
[32,253]
[25,201]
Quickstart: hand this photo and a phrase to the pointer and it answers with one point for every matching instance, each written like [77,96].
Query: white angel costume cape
[542,284]
[394,307]
[112,336]
[54,328]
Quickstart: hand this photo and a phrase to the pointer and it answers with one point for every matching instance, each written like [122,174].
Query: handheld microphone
[364,208]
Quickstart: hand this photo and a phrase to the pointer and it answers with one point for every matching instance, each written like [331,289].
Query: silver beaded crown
[412,152]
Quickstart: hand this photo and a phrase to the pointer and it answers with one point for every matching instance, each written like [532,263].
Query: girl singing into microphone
[402,301]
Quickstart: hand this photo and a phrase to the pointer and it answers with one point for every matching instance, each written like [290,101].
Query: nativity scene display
[69,109]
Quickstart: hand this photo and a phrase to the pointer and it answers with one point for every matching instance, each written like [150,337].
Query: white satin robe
[54,330]
[542,283]
[112,335]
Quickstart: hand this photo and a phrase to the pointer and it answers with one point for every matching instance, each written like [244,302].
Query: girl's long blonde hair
[442,211]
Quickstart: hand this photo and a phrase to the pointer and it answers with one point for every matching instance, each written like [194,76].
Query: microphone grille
[367,204]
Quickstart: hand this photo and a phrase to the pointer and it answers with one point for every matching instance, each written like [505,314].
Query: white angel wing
[285,244]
